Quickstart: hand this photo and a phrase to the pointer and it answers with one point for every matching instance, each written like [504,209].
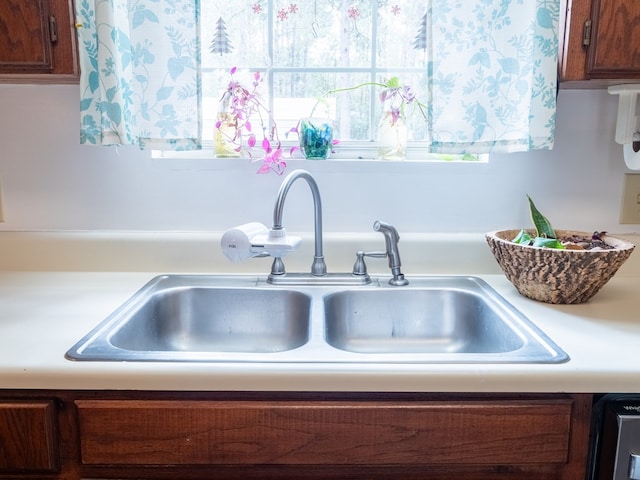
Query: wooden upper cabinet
[37,37]
[616,39]
[601,41]
[25,36]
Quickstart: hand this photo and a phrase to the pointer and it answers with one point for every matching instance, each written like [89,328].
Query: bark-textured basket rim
[557,276]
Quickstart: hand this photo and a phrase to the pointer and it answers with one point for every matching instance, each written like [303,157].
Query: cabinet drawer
[28,436]
[130,432]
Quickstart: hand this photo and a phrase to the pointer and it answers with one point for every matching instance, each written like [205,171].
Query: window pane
[238,36]
[320,34]
[400,35]
[304,94]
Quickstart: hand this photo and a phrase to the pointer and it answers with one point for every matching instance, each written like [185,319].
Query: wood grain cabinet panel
[601,42]
[130,432]
[73,435]
[38,41]
[28,436]
[24,36]
[615,48]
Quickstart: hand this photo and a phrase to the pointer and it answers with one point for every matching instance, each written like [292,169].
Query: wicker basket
[557,276]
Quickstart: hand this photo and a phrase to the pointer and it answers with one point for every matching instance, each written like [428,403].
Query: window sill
[348,154]
[206,161]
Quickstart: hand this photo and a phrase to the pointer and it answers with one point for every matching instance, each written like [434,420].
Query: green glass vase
[316,138]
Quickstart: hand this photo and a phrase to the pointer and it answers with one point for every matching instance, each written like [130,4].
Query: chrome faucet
[256,240]
[391,239]
[318,267]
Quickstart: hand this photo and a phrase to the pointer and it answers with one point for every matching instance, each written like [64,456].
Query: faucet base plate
[328,279]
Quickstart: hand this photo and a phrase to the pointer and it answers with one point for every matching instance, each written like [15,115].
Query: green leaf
[547,242]
[542,224]
[393,82]
[523,238]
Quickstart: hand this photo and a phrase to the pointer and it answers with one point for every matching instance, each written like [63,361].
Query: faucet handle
[360,268]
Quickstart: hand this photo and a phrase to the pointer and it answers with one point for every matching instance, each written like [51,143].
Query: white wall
[50,182]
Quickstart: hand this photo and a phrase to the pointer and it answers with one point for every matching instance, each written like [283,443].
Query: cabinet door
[37,37]
[27,436]
[615,48]
[601,41]
[25,41]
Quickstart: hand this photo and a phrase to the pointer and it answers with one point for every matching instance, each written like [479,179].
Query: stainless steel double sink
[199,318]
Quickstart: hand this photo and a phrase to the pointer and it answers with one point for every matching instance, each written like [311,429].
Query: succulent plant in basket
[557,266]
[546,236]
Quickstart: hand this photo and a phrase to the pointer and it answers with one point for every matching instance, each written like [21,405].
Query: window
[307,48]
[490,74]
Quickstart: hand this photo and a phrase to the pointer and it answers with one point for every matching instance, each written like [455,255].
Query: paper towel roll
[631,158]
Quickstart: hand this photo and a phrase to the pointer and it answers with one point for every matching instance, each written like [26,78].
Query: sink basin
[438,320]
[200,318]
[450,319]
[224,320]
[176,317]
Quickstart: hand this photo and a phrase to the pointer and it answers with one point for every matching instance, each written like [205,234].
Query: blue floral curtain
[492,74]
[140,73]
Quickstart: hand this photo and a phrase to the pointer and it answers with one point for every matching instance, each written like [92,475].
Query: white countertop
[44,313]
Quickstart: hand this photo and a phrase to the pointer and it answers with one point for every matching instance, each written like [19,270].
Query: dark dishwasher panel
[615,451]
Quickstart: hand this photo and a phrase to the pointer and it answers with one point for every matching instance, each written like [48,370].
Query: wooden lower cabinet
[28,439]
[189,435]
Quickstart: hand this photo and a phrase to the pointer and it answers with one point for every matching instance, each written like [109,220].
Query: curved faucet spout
[318,267]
